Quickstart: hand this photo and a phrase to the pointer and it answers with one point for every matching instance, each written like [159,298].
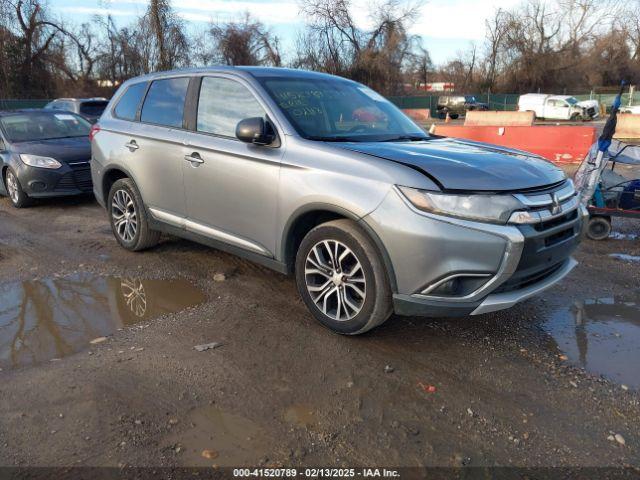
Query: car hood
[587,103]
[464,165]
[76,149]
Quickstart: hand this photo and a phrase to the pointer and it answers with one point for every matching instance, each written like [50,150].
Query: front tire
[342,279]
[128,217]
[18,198]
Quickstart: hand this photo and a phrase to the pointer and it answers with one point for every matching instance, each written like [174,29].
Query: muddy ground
[521,387]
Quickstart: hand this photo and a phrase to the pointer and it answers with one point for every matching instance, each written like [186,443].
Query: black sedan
[44,154]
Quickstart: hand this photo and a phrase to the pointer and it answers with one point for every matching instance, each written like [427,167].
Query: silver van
[322,177]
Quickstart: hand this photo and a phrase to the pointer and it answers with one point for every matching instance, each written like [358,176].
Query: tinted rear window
[130,101]
[164,104]
[93,109]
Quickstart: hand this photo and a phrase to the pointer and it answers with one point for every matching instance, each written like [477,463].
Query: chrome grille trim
[546,199]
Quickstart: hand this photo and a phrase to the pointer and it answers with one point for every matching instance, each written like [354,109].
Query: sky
[446,26]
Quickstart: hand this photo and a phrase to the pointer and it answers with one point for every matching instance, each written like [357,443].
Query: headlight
[40,162]
[478,207]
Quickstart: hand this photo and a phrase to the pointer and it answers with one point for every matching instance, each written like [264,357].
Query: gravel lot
[521,387]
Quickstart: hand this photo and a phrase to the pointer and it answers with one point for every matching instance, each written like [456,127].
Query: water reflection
[602,335]
[54,317]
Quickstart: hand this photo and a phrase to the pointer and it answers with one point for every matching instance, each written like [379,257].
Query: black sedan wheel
[17,196]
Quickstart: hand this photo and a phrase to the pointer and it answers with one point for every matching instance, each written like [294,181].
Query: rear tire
[128,217]
[18,198]
[599,227]
[349,295]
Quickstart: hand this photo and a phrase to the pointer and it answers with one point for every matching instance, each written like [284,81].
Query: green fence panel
[21,103]
[505,101]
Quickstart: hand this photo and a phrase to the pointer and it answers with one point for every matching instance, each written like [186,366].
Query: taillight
[95,128]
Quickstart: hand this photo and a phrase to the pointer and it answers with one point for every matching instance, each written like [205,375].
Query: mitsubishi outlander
[322,177]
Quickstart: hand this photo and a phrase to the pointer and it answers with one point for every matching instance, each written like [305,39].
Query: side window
[222,104]
[164,104]
[128,104]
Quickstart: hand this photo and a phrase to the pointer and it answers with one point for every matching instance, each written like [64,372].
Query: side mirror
[255,130]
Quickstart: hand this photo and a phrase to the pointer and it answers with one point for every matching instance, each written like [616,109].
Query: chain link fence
[496,101]
[505,101]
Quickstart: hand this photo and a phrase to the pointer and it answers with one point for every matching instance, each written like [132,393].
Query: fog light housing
[458,285]
[38,186]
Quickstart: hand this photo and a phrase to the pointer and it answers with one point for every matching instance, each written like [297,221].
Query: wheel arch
[3,178]
[110,176]
[308,217]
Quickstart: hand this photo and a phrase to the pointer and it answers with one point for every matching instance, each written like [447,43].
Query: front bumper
[67,180]
[517,261]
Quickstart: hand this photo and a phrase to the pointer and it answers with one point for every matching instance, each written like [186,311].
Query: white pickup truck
[558,107]
[635,109]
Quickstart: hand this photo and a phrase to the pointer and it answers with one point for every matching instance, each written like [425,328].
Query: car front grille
[550,241]
[78,179]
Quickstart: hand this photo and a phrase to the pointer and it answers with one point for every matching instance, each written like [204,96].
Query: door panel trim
[207,231]
[170,218]
[225,237]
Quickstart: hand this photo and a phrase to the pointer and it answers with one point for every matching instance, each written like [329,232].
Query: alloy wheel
[335,280]
[12,187]
[123,213]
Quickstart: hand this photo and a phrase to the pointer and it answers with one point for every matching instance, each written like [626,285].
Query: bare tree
[496,29]
[36,34]
[243,42]
[162,37]
[377,57]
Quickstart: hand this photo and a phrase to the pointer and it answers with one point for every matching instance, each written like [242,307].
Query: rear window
[32,126]
[164,104]
[127,107]
[93,109]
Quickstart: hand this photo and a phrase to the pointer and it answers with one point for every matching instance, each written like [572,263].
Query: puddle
[227,439]
[622,236]
[300,415]
[625,257]
[601,335]
[45,319]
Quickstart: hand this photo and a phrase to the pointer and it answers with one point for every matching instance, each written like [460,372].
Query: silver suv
[320,176]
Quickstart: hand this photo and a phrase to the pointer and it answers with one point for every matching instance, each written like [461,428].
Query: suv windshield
[93,108]
[571,101]
[339,110]
[30,126]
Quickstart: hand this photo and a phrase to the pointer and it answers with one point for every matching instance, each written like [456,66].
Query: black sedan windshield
[339,110]
[41,125]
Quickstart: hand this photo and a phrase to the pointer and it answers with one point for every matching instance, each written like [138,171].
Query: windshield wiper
[411,138]
[54,138]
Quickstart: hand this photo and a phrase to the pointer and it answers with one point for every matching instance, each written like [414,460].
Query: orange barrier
[628,126]
[417,114]
[568,144]
[478,118]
